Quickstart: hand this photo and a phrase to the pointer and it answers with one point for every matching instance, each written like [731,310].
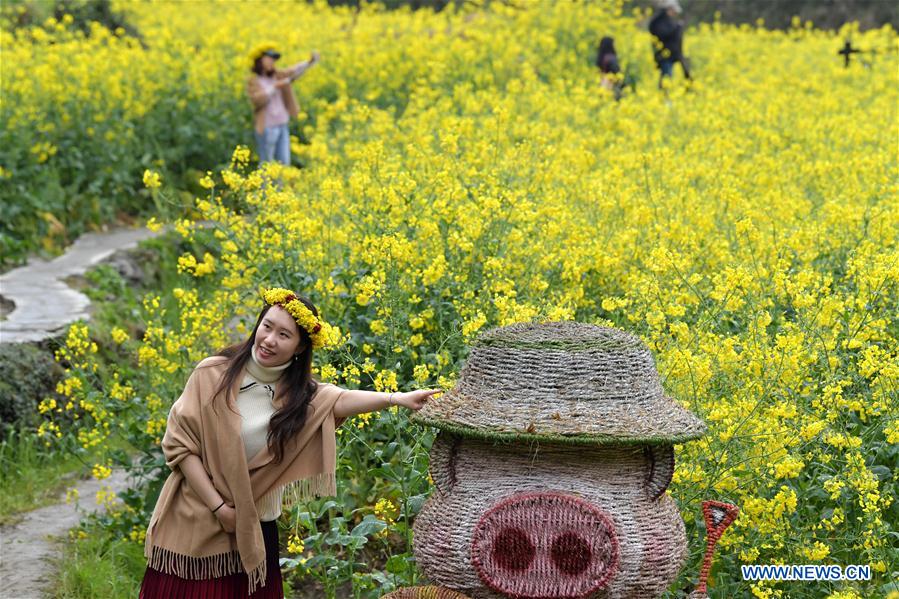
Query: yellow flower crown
[258,51]
[319,331]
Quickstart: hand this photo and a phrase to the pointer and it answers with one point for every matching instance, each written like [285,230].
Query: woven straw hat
[561,381]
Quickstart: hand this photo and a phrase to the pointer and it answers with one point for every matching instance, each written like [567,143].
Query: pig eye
[661,469]
[442,464]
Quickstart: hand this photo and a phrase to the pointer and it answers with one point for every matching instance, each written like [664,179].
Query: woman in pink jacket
[273,102]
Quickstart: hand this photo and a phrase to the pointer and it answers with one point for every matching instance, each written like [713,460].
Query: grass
[97,566]
[32,476]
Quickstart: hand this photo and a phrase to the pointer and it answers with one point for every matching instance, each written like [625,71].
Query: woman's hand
[227,517]
[414,400]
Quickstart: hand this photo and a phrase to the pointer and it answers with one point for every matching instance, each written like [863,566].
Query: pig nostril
[571,553]
[513,549]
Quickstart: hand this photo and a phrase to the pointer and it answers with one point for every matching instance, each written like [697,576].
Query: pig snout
[545,544]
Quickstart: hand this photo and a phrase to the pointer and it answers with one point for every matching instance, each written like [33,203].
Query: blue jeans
[666,65]
[274,144]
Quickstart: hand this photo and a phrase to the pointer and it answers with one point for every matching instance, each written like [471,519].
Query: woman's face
[268,63]
[277,338]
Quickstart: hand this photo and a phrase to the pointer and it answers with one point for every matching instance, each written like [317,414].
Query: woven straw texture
[566,382]
[424,593]
[553,520]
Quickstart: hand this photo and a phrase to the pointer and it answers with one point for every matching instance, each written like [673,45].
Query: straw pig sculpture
[554,452]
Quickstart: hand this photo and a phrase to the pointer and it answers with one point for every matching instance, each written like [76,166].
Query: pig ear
[443,461]
[660,461]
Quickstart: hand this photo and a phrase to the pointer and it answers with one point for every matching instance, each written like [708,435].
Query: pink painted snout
[546,544]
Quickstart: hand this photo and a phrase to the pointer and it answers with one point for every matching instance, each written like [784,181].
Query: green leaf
[325,507]
[415,503]
[396,564]
[882,472]
[369,525]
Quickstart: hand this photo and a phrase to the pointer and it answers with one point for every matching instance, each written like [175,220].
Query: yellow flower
[138,535]
[48,404]
[328,373]
[816,552]
[295,544]
[378,327]
[258,51]
[320,332]
[100,471]
[119,335]
[152,180]
[385,380]
[421,373]
[106,497]
[241,155]
[892,432]
[385,510]
[789,467]
[72,495]
[474,325]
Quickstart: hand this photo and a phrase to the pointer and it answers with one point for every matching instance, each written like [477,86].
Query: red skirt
[158,585]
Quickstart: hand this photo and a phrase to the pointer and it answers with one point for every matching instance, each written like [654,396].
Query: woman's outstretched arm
[301,67]
[356,401]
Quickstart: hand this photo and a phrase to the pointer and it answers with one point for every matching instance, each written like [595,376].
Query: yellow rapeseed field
[465,170]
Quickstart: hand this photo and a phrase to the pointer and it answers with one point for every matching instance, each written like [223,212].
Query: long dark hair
[257,66]
[606,46]
[296,384]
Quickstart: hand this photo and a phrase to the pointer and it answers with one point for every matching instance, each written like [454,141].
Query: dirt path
[26,548]
[33,317]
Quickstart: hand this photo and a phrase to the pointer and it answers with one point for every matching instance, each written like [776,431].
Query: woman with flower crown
[252,429]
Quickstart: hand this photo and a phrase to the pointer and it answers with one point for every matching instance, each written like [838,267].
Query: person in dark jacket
[607,61]
[669,36]
[606,57]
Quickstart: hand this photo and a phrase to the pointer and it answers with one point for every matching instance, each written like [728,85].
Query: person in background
[607,61]
[274,103]
[669,34]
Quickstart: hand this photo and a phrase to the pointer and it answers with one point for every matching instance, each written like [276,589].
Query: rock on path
[27,548]
[44,304]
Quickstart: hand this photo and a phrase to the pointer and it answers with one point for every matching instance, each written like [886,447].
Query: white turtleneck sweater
[254,402]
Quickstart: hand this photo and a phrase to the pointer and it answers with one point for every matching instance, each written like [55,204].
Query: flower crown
[258,51]
[318,330]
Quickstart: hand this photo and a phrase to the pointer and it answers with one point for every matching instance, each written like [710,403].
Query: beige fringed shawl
[184,537]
